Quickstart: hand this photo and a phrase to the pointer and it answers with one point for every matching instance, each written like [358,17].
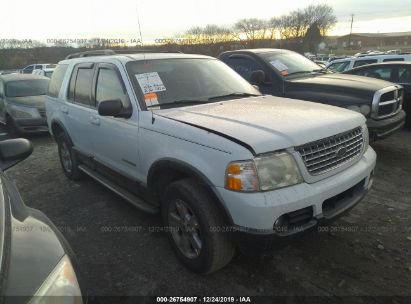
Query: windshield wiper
[233,95]
[179,102]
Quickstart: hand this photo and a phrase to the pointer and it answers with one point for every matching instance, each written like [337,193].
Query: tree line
[296,24]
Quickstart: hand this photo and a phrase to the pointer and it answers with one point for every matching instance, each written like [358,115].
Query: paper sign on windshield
[151,99]
[150,82]
[279,65]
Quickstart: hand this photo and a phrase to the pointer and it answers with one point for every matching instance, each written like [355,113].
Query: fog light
[281,224]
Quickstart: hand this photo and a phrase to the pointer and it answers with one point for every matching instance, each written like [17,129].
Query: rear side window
[393,59]
[57,80]
[364,62]
[80,85]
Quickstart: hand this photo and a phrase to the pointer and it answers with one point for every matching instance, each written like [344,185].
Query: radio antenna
[139,26]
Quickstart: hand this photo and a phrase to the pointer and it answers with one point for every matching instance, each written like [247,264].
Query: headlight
[62,282]
[366,137]
[24,112]
[242,176]
[277,170]
[268,172]
[363,109]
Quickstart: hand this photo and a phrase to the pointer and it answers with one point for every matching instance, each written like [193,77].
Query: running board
[128,196]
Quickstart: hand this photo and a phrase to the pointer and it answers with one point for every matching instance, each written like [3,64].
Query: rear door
[79,110]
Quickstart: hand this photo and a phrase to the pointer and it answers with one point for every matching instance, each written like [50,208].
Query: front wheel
[68,159]
[194,227]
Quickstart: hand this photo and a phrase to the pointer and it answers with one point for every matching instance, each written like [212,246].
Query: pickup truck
[285,73]
[187,137]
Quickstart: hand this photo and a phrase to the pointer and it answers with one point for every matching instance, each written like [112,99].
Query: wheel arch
[167,170]
[56,127]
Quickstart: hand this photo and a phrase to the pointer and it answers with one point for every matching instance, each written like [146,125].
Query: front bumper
[380,129]
[254,214]
[31,125]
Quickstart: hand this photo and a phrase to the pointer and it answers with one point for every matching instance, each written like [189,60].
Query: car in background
[285,73]
[22,103]
[36,262]
[44,72]
[38,66]
[397,72]
[342,65]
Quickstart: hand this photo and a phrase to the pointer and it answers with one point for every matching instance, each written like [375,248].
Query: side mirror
[257,77]
[111,108]
[13,151]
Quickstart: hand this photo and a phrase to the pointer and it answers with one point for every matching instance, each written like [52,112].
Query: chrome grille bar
[330,153]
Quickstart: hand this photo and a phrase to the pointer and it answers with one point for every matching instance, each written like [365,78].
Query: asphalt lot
[367,252]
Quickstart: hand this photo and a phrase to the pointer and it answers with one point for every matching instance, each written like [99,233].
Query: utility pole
[349,38]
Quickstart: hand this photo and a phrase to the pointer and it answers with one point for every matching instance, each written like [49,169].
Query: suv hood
[337,89]
[268,123]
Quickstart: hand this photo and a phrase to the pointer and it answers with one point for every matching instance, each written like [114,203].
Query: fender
[176,164]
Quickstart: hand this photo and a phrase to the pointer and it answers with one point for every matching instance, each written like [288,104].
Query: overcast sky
[48,19]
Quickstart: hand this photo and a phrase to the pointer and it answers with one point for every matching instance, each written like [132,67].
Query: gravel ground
[367,252]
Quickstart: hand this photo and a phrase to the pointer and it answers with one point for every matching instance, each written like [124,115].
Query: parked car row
[225,166]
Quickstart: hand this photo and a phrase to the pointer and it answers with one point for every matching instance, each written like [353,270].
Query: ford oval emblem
[341,151]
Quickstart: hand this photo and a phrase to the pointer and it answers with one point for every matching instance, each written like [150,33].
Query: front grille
[42,112]
[330,153]
[389,103]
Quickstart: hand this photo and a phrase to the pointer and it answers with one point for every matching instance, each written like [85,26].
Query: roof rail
[91,53]
[147,51]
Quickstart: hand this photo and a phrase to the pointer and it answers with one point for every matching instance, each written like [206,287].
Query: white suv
[187,136]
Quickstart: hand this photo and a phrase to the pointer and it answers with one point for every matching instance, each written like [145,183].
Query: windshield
[181,82]
[289,63]
[22,88]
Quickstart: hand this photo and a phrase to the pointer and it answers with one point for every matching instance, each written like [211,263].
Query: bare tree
[252,28]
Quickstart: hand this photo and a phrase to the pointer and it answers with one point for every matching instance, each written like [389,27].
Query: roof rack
[91,53]
[111,52]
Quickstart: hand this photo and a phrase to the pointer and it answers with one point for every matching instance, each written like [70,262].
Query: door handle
[64,109]
[94,120]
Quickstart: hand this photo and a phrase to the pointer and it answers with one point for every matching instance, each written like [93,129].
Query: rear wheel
[194,227]
[68,159]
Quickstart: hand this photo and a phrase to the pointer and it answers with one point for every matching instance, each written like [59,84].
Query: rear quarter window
[57,80]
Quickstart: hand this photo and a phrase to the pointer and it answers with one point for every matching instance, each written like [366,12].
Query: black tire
[67,155]
[217,248]
[11,128]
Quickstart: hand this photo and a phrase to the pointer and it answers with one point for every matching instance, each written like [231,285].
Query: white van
[345,64]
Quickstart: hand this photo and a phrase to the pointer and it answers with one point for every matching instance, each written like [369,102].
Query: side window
[379,73]
[57,80]
[80,85]
[110,87]
[28,70]
[393,59]
[1,91]
[405,75]
[243,66]
[339,66]
[38,67]
[364,62]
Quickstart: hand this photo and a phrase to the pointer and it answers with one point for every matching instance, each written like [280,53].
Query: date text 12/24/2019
[203,300]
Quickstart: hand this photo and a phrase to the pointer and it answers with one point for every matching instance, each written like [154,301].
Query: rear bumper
[31,125]
[380,129]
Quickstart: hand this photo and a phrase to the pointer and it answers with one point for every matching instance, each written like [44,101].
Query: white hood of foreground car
[268,123]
